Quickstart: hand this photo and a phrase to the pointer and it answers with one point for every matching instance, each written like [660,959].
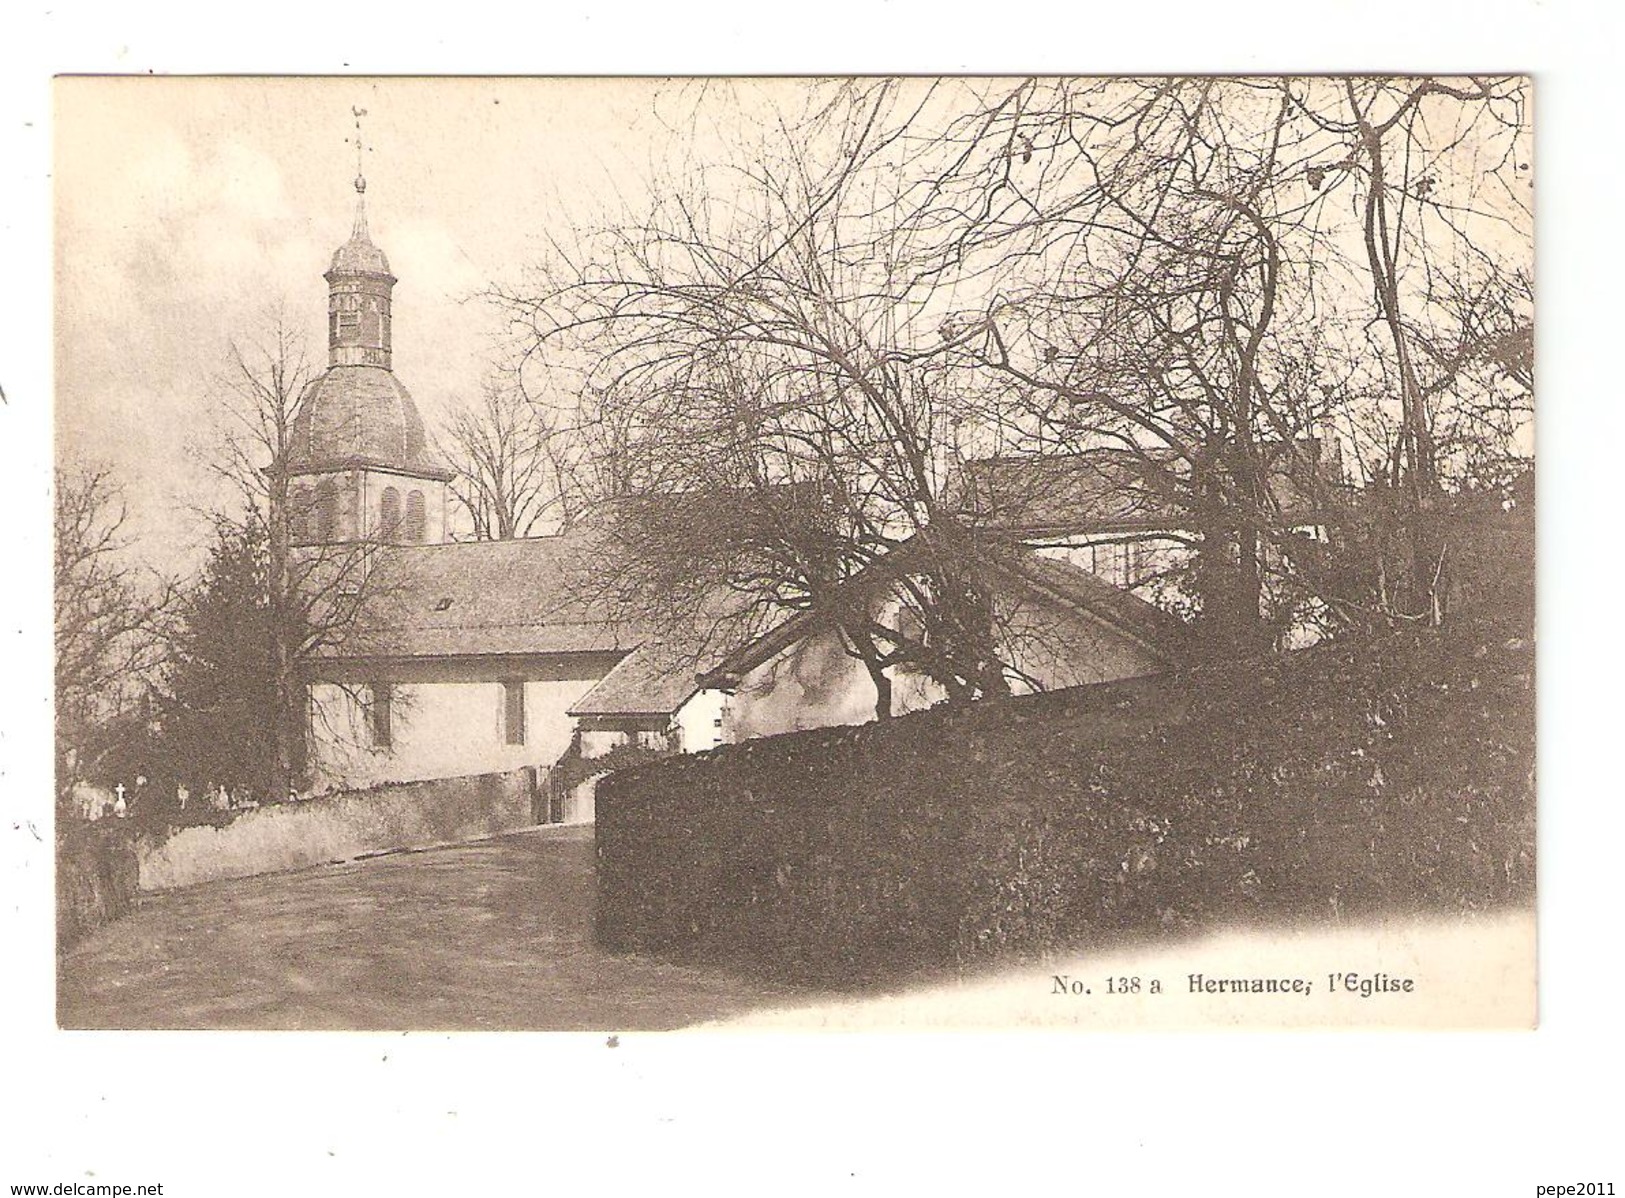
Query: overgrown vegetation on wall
[1389,774]
[96,871]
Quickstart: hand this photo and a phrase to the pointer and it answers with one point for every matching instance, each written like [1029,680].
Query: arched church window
[416,519]
[327,509]
[389,514]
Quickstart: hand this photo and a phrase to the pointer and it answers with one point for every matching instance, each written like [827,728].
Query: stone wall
[340,826]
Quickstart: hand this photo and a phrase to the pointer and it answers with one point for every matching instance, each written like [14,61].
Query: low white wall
[338,827]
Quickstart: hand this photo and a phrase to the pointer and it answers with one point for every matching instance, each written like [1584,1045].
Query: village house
[475,657]
[1125,515]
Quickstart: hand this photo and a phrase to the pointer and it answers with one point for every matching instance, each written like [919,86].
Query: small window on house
[349,324]
[513,712]
[389,514]
[415,519]
[380,715]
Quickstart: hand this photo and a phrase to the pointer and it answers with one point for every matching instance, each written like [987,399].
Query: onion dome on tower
[361,465]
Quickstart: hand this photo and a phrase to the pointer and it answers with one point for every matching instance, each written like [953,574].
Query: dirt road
[496,934]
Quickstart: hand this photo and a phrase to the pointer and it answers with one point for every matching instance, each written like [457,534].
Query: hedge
[1390,775]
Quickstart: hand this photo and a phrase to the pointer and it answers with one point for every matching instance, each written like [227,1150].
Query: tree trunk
[286,686]
[883,689]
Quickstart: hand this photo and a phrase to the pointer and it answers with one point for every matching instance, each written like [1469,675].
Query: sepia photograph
[931,553]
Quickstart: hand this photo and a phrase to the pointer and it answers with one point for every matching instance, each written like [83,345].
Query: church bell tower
[359,464]
[359,289]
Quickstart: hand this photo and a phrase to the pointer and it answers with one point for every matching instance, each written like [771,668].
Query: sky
[190,211]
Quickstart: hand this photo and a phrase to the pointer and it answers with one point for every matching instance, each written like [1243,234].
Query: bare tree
[1198,270]
[517,464]
[910,279]
[1437,174]
[314,596]
[781,429]
[110,618]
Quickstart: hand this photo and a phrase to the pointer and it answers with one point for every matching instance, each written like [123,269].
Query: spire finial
[360,177]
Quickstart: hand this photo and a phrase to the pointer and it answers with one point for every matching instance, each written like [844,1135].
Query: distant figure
[222,800]
[182,794]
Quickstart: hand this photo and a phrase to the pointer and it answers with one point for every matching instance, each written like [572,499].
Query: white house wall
[817,684]
[702,721]
[813,684]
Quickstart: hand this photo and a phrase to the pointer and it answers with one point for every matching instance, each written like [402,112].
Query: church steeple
[359,458]
[359,287]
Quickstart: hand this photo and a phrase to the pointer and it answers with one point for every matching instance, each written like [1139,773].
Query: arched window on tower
[389,515]
[299,513]
[327,509]
[349,317]
[416,519]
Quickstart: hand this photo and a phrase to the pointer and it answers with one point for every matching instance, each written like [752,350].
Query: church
[474,657]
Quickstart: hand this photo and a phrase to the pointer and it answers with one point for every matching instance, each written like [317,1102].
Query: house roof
[653,679]
[1075,587]
[1110,490]
[1059,581]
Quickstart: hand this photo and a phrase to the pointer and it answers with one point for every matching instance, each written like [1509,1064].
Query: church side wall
[438,730]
